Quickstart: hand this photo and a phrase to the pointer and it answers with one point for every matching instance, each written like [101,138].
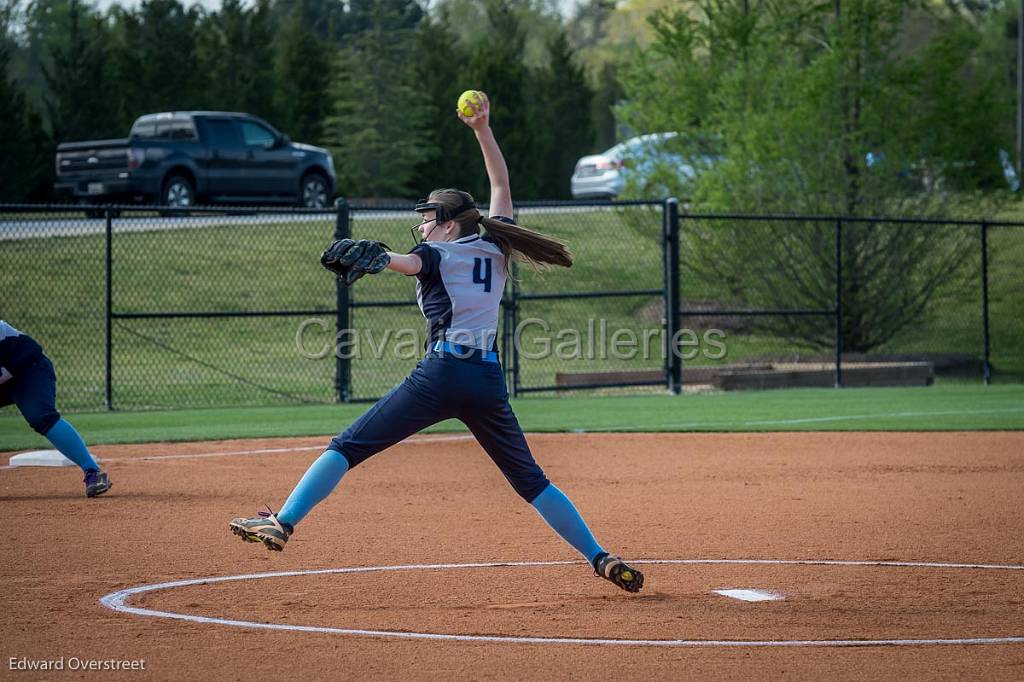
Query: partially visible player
[460,279]
[27,380]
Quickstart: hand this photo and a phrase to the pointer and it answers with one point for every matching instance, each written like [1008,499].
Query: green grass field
[889,409]
[54,289]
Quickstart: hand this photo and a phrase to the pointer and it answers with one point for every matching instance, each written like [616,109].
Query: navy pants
[34,391]
[446,387]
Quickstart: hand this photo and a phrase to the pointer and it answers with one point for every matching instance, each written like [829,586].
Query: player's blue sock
[561,515]
[320,479]
[66,439]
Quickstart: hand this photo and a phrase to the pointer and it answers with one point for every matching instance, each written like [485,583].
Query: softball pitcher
[460,275]
[27,380]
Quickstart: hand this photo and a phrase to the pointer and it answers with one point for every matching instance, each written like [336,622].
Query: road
[74,223]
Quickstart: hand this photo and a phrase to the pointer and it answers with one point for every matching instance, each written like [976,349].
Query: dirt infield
[911,497]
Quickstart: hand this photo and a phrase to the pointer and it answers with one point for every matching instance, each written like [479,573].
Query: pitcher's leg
[408,408]
[561,514]
[497,430]
[405,410]
[499,433]
[319,481]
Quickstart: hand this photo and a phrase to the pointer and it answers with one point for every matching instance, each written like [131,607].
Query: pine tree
[78,99]
[498,65]
[156,62]
[365,15]
[561,118]
[452,159]
[17,172]
[303,69]
[376,131]
[235,52]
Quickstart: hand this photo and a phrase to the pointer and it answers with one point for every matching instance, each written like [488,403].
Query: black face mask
[441,215]
[417,238]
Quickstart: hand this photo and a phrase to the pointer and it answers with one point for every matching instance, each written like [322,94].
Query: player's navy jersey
[16,350]
[459,290]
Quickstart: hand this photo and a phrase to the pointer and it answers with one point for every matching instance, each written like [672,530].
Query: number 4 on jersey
[482,273]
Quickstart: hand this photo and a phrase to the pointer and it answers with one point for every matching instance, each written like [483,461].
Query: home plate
[41,458]
[750,595]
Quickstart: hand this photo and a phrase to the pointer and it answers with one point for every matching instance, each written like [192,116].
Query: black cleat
[96,483]
[615,570]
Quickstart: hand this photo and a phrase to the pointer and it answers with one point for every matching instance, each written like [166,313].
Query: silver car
[603,176]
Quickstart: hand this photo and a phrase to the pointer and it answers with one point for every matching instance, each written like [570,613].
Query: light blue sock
[320,479]
[66,439]
[561,515]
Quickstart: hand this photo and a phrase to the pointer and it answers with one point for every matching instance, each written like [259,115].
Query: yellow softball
[474,96]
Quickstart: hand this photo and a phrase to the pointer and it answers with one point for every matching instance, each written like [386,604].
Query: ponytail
[516,242]
[523,244]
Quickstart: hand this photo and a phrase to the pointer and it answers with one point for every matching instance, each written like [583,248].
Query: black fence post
[513,359]
[508,331]
[109,308]
[342,363]
[670,234]
[503,351]
[839,302]
[987,368]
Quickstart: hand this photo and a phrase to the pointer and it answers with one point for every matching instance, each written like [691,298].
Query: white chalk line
[262,451]
[274,451]
[803,420]
[118,601]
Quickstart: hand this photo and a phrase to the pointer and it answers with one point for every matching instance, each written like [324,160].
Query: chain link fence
[852,297]
[52,287]
[913,293]
[755,292]
[144,308]
[206,306]
[601,323]
[1005,301]
[149,309]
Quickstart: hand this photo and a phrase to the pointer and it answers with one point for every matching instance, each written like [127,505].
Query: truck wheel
[313,193]
[178,192]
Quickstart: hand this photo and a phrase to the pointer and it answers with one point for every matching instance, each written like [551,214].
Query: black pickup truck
[187,157]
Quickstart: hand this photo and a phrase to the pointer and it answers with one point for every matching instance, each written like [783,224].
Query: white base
[41,458]
[750,595]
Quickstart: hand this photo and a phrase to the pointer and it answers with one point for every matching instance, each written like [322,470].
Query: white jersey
[459,290]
